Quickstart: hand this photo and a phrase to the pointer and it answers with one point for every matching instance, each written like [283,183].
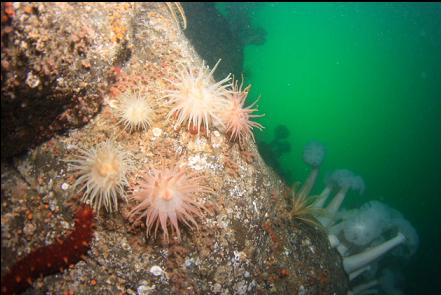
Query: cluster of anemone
[361,236]
[166,197]
[198,102]
[368,234]
[313,156]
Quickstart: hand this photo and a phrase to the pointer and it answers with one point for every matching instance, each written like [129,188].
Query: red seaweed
[53,258]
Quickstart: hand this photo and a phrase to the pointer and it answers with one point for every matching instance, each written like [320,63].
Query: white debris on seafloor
[199,144]
[255,207]
[240,287]
[145,290]
[189,262]
[156,132]
[216,139]
[217,288]
[197,162]
[32,80]
[156,270]
[237,191]
[112,103]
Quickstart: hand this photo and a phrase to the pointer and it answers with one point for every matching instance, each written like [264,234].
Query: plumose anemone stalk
[364,288]
[356,261]
[313,155]
[331,183]
[346,180]
[324,195]
[358,272]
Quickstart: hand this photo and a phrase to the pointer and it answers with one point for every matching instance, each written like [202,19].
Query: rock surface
[247,245]
[211,36]
[57,61]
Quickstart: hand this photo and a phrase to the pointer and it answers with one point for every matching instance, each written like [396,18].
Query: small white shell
[156,270]
[157,131]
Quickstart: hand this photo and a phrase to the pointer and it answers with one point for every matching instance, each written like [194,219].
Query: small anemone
[358,184]
[313,154]
[342,177]
[134,111]
[197,100]
[167,197]
[238,121]
[102,175]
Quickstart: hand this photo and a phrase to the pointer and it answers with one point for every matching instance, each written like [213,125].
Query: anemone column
[313,155]
[354,262]
[364,288]
[324,195]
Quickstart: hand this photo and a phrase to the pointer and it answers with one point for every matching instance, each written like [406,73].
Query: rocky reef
[63,66]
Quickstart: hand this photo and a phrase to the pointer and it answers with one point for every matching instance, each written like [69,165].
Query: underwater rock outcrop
[212,37]
[273,150]
[57,62]
[240,21]
[245,242]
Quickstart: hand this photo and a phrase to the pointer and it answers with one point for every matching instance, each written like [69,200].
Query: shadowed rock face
[239,16]
[53,77]
[248,245]
[210,34]
[273,150]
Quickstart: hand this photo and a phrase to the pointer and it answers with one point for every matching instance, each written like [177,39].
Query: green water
[364,80]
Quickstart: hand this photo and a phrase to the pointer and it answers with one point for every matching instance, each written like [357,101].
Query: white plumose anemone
[134,111]
[346,180]
[332,182]
[313,155]
[357,261]
[102,172]
[406,236]
[371,221]
[197,99]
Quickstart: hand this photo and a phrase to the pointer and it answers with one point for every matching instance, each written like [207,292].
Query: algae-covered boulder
[246,242]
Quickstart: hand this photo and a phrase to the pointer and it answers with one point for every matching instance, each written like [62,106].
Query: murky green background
[365,80]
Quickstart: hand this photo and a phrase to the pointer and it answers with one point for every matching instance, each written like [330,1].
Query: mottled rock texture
[247,245]
[210,34]
[56,62]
